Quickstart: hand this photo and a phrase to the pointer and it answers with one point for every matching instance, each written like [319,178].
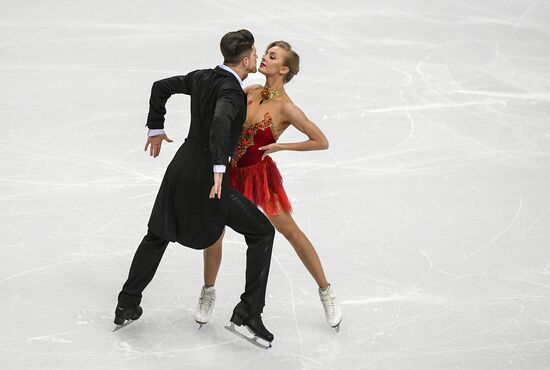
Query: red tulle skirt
[262,184]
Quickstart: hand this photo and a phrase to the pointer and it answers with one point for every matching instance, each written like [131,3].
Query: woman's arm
[316,139]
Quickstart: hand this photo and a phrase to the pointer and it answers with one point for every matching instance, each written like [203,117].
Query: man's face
[252,61]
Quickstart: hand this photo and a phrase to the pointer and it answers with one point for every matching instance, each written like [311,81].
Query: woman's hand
[270,148]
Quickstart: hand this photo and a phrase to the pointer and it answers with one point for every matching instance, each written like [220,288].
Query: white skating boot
[205,306]
[333,311]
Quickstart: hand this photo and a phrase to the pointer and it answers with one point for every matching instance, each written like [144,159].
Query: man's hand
[217,188]
[156,142]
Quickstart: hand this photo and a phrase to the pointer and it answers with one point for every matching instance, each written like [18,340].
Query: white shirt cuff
[156,131]
[219,168]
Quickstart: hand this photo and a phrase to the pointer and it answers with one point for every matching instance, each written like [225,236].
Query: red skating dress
[259,180]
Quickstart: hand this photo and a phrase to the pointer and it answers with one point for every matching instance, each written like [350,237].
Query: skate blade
[118,327]
[337,327]
[255,340]
[201,324]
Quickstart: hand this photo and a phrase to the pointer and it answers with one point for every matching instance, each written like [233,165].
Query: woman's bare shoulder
[290,110]
[249,89]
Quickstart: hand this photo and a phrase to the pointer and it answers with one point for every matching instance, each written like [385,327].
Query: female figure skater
[270,112]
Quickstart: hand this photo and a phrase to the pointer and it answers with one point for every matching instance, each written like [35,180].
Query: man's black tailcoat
[183,211]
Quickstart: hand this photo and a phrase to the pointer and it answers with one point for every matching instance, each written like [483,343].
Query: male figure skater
[194,202]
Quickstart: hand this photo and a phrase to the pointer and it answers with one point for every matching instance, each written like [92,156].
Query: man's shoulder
[217,76]
[199,72]
[227,77]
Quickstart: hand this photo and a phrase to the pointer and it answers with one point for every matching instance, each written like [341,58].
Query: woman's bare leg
[212,257]
[284,223]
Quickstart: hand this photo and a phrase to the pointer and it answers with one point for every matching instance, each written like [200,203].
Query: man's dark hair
[235,45]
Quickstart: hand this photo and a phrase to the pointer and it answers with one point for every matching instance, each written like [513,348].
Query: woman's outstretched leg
[284,223]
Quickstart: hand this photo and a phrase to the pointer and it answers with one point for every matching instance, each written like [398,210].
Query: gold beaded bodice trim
[246,140]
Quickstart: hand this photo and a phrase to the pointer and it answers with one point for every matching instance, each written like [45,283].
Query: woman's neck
[275,83]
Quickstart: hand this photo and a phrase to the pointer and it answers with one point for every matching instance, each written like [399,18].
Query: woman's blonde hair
[291,60]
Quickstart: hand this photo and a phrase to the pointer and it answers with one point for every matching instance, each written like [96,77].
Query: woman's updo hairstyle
[291,60]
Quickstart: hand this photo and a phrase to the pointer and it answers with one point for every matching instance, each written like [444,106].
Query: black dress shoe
[123,314]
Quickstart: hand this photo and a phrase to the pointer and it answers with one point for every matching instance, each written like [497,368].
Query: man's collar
[228,69]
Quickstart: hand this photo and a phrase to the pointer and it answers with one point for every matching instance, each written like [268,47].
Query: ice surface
[430,211]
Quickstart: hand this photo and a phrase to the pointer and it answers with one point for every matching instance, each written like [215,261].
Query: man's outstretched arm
[161,91]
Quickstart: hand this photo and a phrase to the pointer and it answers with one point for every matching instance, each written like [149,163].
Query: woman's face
[273,61]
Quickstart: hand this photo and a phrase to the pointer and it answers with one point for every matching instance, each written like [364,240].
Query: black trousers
[243,217]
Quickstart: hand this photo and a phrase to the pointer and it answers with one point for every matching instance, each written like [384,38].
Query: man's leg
[246,219]
[144,265]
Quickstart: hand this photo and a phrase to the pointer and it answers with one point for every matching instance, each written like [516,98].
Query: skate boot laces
[333,312]
[328,298]
[208,296]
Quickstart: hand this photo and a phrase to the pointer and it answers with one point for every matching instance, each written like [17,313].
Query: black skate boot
[125,316]
[255,326]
